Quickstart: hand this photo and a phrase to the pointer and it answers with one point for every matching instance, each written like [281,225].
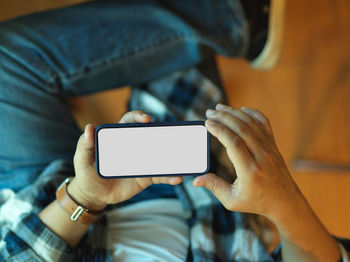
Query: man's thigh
[36,127]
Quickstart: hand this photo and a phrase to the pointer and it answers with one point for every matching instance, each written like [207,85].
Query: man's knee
[22,58]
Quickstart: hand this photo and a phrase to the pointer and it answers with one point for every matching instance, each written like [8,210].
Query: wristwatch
[76,211]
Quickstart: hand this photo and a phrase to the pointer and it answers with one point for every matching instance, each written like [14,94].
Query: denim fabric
[48,57]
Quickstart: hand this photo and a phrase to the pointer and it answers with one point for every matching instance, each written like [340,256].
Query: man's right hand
[263,185]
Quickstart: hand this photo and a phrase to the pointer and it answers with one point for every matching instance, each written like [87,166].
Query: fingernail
[209,112]
[86,134]
[220,106]
[243,108]
[85,131]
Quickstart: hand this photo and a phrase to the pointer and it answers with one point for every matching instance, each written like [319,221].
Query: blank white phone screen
[155,150]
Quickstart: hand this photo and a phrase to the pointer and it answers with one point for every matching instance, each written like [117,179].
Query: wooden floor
[305,97]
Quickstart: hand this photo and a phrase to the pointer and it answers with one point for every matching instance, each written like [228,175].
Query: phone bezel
[128,125]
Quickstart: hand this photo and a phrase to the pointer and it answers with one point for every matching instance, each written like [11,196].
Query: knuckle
[242,128]
[144,182]
[212,184]
[256,170]
[156,180]
[237,142]
[229,206]
[240,114]
[165,180]
[269,158]
[229,110]
[266,154]
[221,114]
[220,129]
[261,116]
[228,107]
[226,117]
[250,121]
[265,121]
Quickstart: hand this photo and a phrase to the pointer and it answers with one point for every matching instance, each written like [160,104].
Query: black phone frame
[152,124]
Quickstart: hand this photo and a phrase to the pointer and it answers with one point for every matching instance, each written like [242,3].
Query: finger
[89,137]
[134,117]
[86,144]
[246,118]
[239,127]
[143,182]
[235,146]
[260,117]
[174,180]
[219,187]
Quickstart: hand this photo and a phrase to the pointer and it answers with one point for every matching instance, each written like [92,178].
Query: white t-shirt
[150,230]
[153,230]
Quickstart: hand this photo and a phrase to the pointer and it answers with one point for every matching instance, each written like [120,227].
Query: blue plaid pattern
[215,233]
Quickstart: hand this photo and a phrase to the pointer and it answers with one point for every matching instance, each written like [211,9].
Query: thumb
[218,186]
[86,144]
[89,140]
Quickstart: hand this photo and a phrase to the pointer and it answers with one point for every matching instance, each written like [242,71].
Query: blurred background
[306,98]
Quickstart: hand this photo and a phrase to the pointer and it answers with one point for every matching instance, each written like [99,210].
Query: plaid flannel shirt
[215,233]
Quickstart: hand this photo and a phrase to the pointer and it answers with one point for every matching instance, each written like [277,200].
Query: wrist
[291,211]
[300,229]
[84,199]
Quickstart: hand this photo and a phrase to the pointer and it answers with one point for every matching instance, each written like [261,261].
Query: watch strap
[76,211]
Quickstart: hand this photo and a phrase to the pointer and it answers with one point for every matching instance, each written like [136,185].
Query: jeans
[48,57]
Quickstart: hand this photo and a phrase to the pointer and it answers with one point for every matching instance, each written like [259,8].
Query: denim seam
[148,49]
[17,59]
[132,54]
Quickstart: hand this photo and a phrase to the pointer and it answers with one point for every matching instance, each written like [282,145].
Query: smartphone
[176,148]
